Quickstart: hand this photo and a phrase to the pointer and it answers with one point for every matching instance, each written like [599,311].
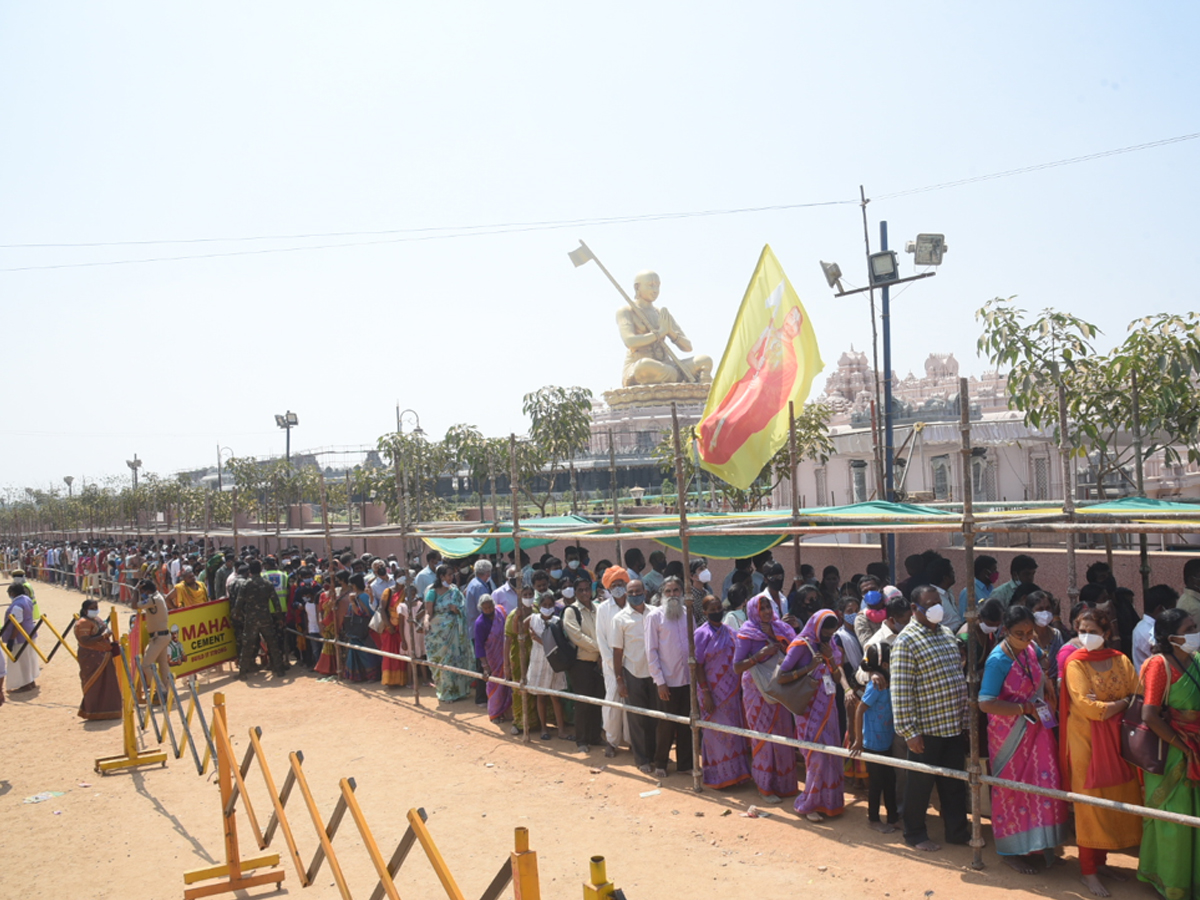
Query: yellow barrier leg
[29,640]
[381,869]
[232,870]
[526,885]
[435,857]
[600,887]
[61,640]
[132,756]
[279,814]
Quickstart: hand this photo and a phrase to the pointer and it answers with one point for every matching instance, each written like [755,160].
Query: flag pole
[681,489]
[686,372]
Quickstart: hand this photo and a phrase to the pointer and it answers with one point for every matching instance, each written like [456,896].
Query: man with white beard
[667,657]
[616,726]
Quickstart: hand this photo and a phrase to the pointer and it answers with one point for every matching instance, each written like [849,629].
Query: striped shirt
[929,689]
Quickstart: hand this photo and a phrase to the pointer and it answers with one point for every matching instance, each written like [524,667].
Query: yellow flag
[771,358]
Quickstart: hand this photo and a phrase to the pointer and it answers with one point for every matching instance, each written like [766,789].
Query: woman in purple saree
[726,756]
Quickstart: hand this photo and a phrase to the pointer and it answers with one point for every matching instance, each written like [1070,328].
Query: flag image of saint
[770,360]
[758,396]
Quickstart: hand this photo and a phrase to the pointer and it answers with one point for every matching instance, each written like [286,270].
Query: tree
[812,442]
[422,462]
[1056,352]
[560,427]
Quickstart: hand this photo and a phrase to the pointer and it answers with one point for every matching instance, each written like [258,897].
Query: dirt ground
[132,835]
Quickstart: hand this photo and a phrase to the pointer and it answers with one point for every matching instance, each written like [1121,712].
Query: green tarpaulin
[460,548]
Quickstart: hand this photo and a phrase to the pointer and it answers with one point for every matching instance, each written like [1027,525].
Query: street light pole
[287,422]
[889,484]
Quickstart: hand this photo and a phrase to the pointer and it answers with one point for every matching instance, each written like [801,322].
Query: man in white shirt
[1190,598]
[1159,599]
[899,614]
[427,577]
[506,594]
[616,722]
[941,576]
[667,660]
[634,683]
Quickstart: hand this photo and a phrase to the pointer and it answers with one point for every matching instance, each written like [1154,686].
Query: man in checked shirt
[929,706]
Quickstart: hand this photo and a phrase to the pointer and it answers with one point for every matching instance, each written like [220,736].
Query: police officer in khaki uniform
[153,607]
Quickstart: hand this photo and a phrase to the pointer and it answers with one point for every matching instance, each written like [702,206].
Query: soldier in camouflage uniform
[253,603]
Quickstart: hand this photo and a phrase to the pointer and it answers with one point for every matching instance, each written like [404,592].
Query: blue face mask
[850,617]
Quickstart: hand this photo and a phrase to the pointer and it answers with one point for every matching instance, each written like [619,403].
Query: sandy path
[133,835]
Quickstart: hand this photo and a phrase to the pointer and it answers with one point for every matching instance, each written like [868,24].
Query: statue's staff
[582,254]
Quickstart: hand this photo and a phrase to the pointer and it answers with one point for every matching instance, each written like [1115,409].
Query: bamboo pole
[235,525]
[1068,475]
[681,492]
[972,615]
[1139,472]
[331,587]
[792,462]
[612,486]
[516,539]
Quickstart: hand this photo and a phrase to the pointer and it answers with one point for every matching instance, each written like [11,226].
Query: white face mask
[556,574]
[573,564]
[986,628]
[617,591]
[547,612]
[935,614]
[527,601]
[1043,617]
[93,613]
[568,593]
[1091,641]
[402,580]
[704,575]
[1191,643]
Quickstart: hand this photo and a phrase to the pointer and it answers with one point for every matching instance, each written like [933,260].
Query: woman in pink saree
[758,640]
[1022,744]
[814,655]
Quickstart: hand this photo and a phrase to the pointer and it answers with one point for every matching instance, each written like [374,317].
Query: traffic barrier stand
[29,642]
[519,869]
[600,888]
[231,873]
[133,755]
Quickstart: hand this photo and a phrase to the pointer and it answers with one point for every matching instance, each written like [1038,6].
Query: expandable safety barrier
[30,639]
[519,868]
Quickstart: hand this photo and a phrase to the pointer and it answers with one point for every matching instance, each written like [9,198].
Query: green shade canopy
[492,539]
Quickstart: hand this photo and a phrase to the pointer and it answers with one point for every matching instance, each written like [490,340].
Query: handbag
[378,622]
[796,696]
[1140,746]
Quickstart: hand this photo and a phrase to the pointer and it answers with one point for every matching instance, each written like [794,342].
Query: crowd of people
[860,664]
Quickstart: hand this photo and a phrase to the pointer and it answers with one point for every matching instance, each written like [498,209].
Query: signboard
[201,636]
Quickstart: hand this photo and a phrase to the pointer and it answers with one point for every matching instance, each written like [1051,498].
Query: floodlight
[927,249]
[281,422]
[291,418]
[883,268]
[833,274]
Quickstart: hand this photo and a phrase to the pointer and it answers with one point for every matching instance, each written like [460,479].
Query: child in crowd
[875,733]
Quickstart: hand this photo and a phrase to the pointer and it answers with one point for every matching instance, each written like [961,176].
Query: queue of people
[862,665]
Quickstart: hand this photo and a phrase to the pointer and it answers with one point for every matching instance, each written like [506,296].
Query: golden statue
[645,329]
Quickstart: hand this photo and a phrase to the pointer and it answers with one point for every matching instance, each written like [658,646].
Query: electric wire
[397,236]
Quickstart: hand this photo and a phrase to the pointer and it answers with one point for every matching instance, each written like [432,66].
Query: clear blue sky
[152,122]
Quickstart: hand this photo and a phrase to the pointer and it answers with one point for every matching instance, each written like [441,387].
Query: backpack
[560,652]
